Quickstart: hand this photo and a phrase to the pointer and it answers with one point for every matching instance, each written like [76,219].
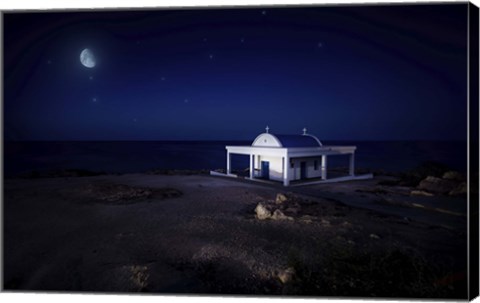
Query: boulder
[414,176]
[262,212]
[279,215]
[281,198]
[453,175]
[461,189]
[436,185]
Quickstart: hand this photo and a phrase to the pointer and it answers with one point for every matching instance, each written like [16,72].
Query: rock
[262,212]
[281,198]
[286,275]
[306,219]
[374,236]
[420,193]
[436,185]
[453,175]
[279,215]
[461,189]
[413,177]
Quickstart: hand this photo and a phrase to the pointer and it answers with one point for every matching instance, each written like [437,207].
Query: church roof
[298,141]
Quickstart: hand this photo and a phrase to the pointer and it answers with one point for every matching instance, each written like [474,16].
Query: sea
[20,157]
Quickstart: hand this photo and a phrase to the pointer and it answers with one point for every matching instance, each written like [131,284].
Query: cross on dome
[304,130]
[267,128]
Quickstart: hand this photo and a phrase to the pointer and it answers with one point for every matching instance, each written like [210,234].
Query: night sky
[346,73]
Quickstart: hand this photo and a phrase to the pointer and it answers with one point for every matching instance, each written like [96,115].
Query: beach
[188,233]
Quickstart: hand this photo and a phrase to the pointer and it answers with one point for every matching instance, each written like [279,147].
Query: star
[264,13]
[211,56]
[242,40]
[320,45]
[135,120]
[91,77]
[94,99]
[163,78]
[49,62]
[186,101]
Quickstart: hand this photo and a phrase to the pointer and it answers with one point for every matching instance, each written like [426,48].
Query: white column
[324,167]
[258,164]
[251,165]
[351,170]
[228,163]
[286,166]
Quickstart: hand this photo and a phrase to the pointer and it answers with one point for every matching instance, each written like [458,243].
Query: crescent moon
[87,58]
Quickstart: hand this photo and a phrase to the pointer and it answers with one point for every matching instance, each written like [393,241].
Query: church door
[265,170]
[303,170]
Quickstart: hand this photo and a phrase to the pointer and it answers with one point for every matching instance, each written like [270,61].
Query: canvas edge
[473,150]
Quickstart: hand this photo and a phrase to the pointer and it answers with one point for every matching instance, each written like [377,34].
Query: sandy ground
[348,239]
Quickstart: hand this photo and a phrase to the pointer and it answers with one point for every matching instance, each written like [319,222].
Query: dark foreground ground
[199,234]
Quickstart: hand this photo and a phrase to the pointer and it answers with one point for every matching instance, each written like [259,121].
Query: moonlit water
[141,156]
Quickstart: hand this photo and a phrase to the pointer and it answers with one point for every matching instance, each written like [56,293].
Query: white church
[300,159]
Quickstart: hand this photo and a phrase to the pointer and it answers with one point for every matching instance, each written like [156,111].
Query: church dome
[271,140]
